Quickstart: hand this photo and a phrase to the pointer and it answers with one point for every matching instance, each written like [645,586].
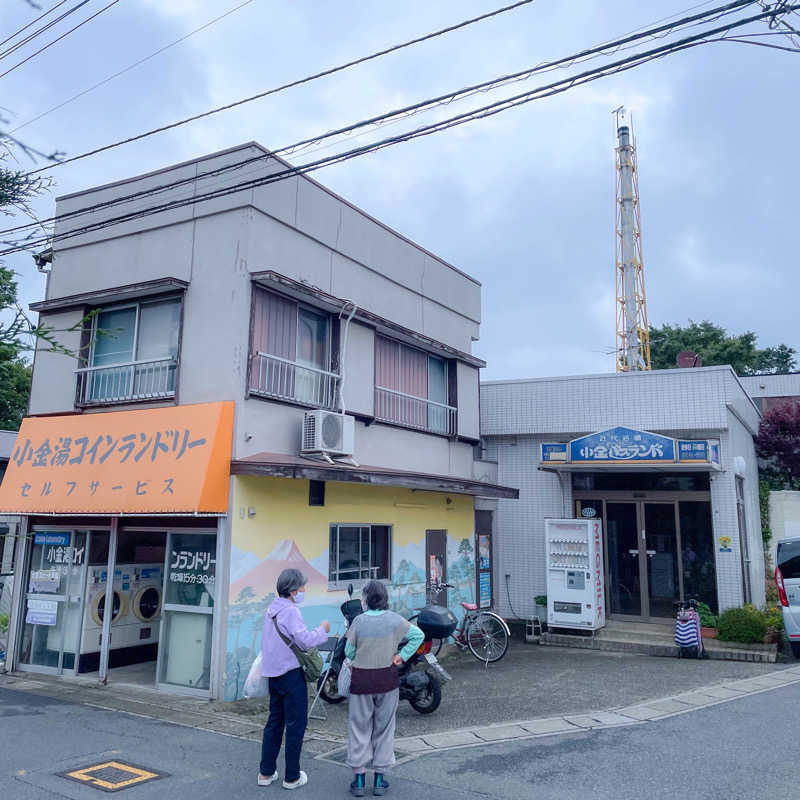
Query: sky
[523,201]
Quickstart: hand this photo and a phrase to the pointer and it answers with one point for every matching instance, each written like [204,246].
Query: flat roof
[267,152]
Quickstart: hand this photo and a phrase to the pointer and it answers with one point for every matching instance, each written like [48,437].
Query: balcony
[152,379]
[279,378]
[415,412]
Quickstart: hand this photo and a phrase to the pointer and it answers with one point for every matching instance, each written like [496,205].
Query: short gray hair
[375,596]
[289,581]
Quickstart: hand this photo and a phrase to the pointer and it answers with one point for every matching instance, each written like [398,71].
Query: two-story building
[264,376]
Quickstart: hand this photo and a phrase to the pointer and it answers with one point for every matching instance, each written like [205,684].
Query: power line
[31,36]
[132,66]
[494,108]
[63,35]
[300,81]
[33,22]
[613,46]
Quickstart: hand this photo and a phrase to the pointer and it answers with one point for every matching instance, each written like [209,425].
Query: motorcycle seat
[469,606]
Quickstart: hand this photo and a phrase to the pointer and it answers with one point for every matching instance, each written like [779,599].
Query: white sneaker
[262,781]
[301,781]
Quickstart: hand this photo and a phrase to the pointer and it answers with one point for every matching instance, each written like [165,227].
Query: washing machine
[95,608]
[139,625]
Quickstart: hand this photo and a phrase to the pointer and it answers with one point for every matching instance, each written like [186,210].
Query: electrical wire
[31,36]
[292,84]
[480,113]
[614,45]
[131,66]
[33,22]
[55,41]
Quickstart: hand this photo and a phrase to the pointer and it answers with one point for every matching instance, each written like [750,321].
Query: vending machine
[575,574]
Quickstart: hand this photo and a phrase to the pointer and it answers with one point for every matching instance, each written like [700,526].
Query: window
[133,353]
[359,553]
[411,388]
[316,493]
[291,352]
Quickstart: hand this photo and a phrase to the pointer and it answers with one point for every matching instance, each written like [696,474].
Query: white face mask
[299,597]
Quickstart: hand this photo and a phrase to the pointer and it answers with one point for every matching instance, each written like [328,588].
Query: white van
[787,577]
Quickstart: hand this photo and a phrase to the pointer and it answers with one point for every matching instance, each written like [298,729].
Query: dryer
[139,625]
[95,608]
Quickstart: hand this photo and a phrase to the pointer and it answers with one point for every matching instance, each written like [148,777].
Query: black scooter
[421,677]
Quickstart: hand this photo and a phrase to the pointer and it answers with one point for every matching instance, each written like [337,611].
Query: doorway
[657,552]
[436,564]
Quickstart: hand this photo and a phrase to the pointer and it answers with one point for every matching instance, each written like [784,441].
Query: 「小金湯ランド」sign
[158,460]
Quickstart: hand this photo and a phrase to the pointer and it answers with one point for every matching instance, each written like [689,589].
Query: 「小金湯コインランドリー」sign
[157,460]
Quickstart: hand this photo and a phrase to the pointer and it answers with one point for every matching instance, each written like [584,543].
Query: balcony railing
[415,412]
[271,376]
[152,379]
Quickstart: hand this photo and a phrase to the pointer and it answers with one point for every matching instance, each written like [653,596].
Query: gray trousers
[371,726]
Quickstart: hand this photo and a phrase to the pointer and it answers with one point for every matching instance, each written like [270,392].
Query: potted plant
[541,606]
[708,622]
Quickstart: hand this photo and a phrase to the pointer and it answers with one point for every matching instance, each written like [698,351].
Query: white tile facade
[516,416]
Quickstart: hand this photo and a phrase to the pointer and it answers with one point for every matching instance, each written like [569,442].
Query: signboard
[42,612]
[485,589]
[622,444]
[44,581]
[191,570]
[554,452]
[157,460]
[725,544]
[53,539]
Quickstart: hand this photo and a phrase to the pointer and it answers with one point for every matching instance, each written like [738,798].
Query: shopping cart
[687,630]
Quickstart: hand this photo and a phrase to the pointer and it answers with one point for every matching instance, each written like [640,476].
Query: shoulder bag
[310,660]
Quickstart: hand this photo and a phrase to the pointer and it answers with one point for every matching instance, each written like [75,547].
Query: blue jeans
[288,708]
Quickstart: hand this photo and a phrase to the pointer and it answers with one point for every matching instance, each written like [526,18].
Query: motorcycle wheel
[329,690]
[427,702]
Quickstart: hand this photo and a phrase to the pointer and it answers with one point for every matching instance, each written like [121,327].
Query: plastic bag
[343,681]
[256,685]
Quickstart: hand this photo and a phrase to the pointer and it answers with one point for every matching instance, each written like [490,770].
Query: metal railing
[272,376]
[151,379]
[415,412]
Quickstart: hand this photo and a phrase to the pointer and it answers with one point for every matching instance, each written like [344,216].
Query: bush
[771,591]
[745,625]
[773,617]
[707,619]
[3,623]
[540,599]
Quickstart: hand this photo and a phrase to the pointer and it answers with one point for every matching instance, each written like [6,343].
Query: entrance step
[654,643]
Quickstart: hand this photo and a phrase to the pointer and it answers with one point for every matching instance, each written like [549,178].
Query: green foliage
[746,625]
[763,503]
[3,623]
[773,617]
[540,599]
[715,346]
[707,618]
[770,590]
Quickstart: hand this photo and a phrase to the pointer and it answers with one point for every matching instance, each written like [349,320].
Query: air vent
[327,432]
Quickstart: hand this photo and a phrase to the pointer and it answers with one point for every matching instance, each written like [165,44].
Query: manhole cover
[112,776]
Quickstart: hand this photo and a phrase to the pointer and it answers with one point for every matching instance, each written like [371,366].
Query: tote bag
[310,660]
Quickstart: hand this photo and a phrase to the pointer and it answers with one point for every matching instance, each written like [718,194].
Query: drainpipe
[344,350]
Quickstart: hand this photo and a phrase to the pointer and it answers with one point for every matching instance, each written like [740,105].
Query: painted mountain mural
[263,577]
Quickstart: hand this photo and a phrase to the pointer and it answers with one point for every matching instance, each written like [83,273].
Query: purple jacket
[276,657]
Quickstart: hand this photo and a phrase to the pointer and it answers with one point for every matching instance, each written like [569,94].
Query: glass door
[663,579]
[53,602]
[184,653]
[624,589]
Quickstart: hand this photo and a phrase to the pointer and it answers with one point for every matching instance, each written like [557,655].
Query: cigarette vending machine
[575,574]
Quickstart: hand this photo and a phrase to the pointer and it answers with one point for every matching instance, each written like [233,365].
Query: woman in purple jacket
[288,696]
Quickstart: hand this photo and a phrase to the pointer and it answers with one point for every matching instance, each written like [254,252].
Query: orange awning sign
[151,461]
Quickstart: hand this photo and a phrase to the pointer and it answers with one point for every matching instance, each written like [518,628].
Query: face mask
[299,597]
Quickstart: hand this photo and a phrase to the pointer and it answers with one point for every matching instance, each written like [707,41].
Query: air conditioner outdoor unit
[327,432]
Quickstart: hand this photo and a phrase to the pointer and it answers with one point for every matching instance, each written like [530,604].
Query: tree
[778,444]
[715,346]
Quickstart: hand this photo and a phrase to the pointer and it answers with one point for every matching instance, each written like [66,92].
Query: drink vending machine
[575,574]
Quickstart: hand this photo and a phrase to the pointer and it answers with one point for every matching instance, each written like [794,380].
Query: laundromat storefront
[119,543]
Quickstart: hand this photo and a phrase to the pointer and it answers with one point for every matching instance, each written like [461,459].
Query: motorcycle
[421,677]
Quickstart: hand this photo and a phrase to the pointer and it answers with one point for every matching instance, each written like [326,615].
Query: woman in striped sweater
[372,645]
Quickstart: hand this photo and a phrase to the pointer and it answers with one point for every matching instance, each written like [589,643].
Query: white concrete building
[264,377]
[681,514]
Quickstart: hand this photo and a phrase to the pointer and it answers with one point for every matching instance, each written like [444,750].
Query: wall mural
[253,589]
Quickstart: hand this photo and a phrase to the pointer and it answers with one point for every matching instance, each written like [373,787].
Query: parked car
[787,577]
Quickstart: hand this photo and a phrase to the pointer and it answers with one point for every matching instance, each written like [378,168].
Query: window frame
[332,351]
[89,341]
[339,583]
[450,387]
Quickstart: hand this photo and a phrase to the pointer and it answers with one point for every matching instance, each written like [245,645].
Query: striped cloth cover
[687,631]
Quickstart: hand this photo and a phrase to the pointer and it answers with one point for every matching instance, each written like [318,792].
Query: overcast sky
[523,201]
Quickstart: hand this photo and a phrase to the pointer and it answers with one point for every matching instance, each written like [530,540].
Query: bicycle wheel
[487,638]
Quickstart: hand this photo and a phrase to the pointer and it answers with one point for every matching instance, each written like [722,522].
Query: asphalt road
[741,749]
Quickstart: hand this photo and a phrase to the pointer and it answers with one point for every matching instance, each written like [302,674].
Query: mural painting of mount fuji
[253,582]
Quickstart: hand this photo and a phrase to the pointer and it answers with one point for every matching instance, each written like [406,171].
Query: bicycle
[484,633]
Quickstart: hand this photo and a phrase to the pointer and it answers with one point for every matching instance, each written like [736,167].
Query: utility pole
[633,333]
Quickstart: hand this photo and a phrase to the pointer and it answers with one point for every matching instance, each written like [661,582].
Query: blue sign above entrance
[622,444]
